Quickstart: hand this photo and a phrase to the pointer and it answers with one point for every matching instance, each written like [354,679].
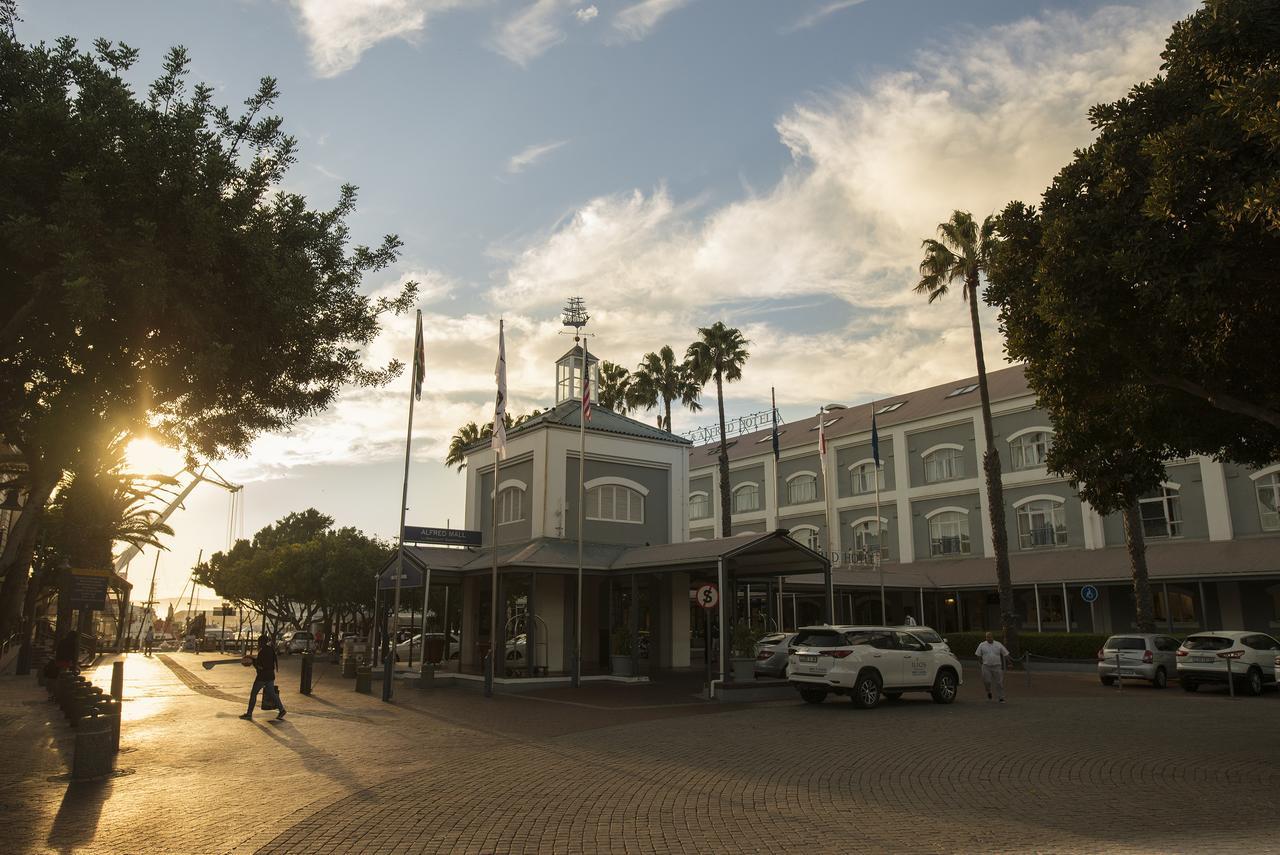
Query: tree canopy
[1141,293]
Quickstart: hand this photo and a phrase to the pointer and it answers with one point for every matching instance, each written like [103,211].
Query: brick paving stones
[1067,766]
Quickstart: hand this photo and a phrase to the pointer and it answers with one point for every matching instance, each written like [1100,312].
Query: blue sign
[412,577]
[446,536]
[1089,593]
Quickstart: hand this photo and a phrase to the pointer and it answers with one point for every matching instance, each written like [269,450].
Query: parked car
[864,662]
[1278,670]
[402,649]
[1141,656]
[297,641]
[928,635]
[1203,657]
[771,654]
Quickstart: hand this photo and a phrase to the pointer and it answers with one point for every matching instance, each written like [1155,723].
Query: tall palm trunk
[726,512]
[1136,543]
[666,402]
[995,486]
[15,561]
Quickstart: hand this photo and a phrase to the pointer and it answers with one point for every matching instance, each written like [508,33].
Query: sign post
[1089,593]
[708,597]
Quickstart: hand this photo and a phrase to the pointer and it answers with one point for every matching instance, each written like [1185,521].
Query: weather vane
[575,315]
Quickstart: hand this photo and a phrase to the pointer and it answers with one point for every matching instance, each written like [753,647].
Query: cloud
[636,21]
[532,32]
[808,20]
[338,33]
[585,14]
[522,160]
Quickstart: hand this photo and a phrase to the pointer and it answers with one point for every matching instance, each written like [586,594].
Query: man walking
[149,641]
[265,663]
[993,656]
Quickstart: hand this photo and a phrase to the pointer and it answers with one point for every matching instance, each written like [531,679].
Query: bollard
[111,709]
[1231,680]
[364,679]
[305,688]
[93,755]
[349,667]
[117,680]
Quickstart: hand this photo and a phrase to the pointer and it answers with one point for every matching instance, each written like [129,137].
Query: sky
[774,164]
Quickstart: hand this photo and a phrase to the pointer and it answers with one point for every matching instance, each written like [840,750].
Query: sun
[148,457]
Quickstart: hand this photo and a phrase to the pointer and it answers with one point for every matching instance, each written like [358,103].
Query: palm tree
[471,433]
[660,378]
[615,387]
[719,353]
[961,255]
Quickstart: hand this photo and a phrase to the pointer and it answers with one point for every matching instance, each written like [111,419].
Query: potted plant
[743,647]
[620,658]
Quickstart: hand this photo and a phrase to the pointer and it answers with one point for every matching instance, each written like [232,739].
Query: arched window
[1041,523]
[808,535]
[746,497]
[510,505]
[949,533]
[1029,449]
[615,503]
[1162,512]
[865,476]
[943,463]
[870,539]
[1269,501]
[802,487]
[699,506]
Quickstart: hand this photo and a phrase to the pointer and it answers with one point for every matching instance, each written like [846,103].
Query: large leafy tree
[154,276]
[659,380]
[719,354]
[615,387]
[959,255]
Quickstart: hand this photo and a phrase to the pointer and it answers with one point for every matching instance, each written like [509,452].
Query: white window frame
[700,494]
[855,475]
[740,488]
[1268,480]
[802,474]
[598,486]
[1056,516]
[862,548]
[1017,449]
[511,502]
[1169,493]
[812,541]
[964,538]
[956,462]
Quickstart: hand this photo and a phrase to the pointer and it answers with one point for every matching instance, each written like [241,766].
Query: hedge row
[1055,645]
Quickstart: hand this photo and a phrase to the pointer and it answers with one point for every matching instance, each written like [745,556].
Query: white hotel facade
[1213,530]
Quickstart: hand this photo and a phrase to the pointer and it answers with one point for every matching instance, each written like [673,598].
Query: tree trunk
[726,511]
[667,403]
[1135,541]
[995,488]
[15,561]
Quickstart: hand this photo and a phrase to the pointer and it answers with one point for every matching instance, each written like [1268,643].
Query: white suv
[1203,657]
[865,661]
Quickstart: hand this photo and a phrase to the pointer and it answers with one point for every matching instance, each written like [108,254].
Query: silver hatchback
[1138,656]
[771,654]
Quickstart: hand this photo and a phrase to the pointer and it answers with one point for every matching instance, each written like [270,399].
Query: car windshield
[1117,642]
[820,638]
[772,638]
[927,635]
[1207,642]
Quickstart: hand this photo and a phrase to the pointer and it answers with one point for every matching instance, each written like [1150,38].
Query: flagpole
[875,465]
[582,478]
[389,667]
[499,442]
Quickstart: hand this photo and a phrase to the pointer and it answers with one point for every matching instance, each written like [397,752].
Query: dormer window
[889,408]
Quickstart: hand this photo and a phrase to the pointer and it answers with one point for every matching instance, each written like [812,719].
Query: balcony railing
[952,545]
[1042,536]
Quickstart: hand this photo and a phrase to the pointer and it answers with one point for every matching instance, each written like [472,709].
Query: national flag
[586,385]
[419,361]
[822,440]
[499,441]
[875,440]
[777,453]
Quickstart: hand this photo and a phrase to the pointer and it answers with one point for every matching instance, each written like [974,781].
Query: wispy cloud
[522,160]
[338,33]
[531,32]
[636,21]
[808,20]
[585,14]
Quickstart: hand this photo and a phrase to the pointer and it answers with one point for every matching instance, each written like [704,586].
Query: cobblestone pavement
[1066,766]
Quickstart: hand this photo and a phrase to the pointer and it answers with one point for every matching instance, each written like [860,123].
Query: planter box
[621,666]
[744,670]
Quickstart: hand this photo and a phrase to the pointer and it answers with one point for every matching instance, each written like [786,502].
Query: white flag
[500,403]
[822,441]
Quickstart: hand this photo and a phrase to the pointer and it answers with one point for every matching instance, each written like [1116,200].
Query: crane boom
[196,477]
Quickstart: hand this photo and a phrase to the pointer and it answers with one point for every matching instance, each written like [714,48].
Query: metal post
[633,625]
[706,642]
[1204,606]
[1036,589]
[117,680]
[723,663]
[445,624]
[1168,607]
[1231,680]
[493,584]
[1066,606]
[582,481]
[1119,676]
[959,614]
[531,629]
[922,620]
[829,590]
[426,608]
[782,606]
[795,613]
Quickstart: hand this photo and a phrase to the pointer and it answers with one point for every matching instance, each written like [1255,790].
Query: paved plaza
[1066,766]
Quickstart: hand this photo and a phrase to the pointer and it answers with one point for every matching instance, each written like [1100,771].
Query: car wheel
[1255,682]
[1161,679]
[944,687]
[1107,681]
[866,692]
[813,696]
[1188,685]
[893,696]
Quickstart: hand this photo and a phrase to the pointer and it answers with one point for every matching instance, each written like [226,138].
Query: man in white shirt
[910,620]
[993,655]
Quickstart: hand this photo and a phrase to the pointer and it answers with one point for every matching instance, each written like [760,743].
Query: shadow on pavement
[314,759]
[76,823]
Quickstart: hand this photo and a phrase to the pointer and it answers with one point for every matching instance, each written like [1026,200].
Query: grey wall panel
[960,434]
[656,527]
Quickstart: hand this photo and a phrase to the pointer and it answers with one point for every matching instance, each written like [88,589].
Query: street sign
[446,536]
[1089,593]
[89,589]
[412,577]
[708,596]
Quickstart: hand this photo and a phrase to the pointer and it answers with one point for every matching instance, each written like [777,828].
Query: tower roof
[575,353]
